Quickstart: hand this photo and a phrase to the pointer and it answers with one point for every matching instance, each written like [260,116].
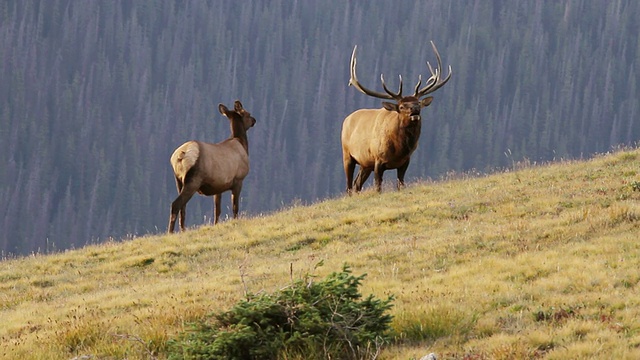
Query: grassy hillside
[540,262]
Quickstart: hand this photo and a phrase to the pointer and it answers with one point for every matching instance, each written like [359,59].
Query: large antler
[390,95]
[434,82]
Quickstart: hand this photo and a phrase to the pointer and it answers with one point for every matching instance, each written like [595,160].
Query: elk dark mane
[411,137]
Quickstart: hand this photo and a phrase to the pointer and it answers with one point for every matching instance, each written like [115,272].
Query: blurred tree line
[95,96]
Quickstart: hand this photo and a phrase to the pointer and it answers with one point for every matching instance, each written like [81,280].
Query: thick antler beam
[354,81]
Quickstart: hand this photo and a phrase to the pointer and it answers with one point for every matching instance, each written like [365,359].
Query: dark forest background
[95,96]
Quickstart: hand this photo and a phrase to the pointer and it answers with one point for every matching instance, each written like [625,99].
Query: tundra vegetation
[534,262]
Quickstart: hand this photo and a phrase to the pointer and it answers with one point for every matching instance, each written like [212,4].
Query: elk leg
[401,171]
[179,205]
[216,208]
[235,198]
[183,214]
[378,170]
[363,175]
[183,210]
[349,168]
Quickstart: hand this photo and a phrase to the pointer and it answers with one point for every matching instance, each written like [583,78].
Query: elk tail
[184,158]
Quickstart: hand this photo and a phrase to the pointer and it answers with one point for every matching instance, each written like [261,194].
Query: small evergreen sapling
[308,319]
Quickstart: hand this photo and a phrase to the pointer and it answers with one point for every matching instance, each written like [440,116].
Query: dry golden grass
[538,263]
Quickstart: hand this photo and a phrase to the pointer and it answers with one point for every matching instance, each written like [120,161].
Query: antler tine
[354,81]
[439,84]
[415,93]
[434,82]
[397,95]
[430,81]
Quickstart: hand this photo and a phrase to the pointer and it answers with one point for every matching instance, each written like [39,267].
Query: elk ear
[223,110]
[426,101]
[238,106]
[390,106]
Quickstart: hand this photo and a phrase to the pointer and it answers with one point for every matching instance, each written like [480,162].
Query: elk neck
[240,133]
[408,133]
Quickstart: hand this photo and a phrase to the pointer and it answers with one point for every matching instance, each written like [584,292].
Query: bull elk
[384,139]
[212,169]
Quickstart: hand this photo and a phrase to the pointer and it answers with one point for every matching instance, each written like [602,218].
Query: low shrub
[307,320]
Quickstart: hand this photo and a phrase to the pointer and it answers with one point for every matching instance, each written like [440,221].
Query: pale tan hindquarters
[184,158]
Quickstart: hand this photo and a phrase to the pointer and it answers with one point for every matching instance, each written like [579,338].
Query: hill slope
[541,262]
[96,95]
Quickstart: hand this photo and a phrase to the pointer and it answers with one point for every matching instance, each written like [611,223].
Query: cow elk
[212,169]
[384,139]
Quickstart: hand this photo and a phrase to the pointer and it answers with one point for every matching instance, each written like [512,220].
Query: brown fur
[383,139]
[211,169]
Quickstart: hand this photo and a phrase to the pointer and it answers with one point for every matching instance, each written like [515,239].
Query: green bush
[308,319]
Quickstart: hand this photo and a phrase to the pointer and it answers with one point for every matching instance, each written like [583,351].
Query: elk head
[240,121]
[408,106]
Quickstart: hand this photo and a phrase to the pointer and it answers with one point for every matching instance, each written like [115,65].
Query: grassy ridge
[541,262]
